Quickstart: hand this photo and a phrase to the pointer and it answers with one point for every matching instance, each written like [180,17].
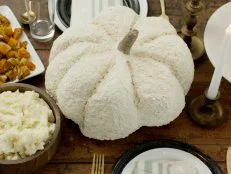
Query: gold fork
[97,164]
[228,160]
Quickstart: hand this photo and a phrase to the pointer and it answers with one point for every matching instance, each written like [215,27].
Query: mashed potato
[26,124]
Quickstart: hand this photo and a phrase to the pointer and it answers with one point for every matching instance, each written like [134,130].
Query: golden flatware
[228,160]
[97,164]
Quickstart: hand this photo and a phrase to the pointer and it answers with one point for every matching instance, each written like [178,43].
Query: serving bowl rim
[51,103]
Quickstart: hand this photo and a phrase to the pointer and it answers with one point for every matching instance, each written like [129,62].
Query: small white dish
[213,36]
[6,11]
[168,154]
[143,13]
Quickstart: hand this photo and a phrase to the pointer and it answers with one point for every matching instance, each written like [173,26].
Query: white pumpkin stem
[128,41]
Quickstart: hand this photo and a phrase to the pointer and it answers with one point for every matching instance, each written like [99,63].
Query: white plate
[143,13]
[213,36]
[168,154]
[6,11]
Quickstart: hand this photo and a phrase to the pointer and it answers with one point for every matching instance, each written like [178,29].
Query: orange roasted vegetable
[4,21]
[17,33]
[11,54]
[3,79]
[13,43]
[4,48]
[23,53]
[1,70]
[14,58]
[23,44]
[13,61]
[31,66]
[8,31]
[23,72]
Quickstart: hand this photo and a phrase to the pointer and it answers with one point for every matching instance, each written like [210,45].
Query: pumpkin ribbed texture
[110,94]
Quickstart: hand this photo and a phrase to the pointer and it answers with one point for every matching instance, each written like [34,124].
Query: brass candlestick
[196,46]
[28,16]
[206,112]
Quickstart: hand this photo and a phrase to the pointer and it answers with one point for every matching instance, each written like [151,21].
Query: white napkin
[164,167]
[83,11]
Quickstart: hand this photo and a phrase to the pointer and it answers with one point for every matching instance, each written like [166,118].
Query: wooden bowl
[32,163]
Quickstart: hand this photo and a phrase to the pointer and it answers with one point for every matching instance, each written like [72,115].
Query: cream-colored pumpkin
[110,94]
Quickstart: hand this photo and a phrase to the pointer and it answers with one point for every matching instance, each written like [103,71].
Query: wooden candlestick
[189,33]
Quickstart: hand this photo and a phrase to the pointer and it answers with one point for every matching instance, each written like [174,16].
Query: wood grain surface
[75,152]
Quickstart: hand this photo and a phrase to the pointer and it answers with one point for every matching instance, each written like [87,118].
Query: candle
[225,53]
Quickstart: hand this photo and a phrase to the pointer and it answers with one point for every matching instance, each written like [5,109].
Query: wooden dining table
[75,152]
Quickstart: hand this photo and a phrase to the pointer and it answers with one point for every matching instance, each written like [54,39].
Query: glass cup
[42,28]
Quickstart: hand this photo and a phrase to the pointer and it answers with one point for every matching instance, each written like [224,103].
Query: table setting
[115,86]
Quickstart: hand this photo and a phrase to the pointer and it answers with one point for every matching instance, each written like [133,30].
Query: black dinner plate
[63,8]
[140,148]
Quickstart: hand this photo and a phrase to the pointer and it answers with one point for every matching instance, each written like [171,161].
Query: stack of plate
[63,11]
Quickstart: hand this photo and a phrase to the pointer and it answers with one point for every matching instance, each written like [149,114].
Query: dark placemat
[64,9]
